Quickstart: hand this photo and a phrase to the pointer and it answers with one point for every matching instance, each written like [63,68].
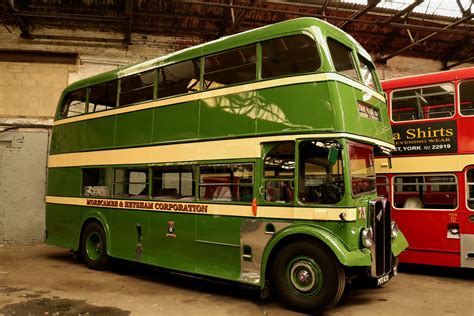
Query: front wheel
[307,277]
[94,246]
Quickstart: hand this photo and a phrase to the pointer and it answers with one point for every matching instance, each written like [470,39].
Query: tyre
[94,246]
[307,277]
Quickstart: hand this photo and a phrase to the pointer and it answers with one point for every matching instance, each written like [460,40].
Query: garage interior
[45,45]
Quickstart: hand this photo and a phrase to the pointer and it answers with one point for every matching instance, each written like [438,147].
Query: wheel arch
[315,234]
[98,217]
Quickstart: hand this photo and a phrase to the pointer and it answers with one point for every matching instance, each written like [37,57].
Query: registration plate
[383,279]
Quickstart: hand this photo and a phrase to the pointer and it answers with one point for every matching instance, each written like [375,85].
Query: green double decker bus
[249,158]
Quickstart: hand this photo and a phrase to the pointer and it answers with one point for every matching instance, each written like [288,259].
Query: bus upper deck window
[289,55]
[466,97]
[230,67]
[74,103]
[179,78]
[103,96]
[367,72]
[137,88]
[428,102]
[342,58]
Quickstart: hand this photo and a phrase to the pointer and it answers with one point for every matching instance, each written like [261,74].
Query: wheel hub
[303,276]
[94,246]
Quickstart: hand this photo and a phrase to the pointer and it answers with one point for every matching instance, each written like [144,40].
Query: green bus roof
[221,44]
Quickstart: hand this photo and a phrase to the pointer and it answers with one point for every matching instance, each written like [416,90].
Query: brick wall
[31,89]
[401,66]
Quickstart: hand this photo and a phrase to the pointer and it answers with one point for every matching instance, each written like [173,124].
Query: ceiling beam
[451,55]
[402,12]
[69,16]
[396,32]
[338,18]
[77,38]
[384,59]
[129,21]
[370,4]
[468,59]
[225,18]
[215,19]
[325,5]
[22,24]
[242,15]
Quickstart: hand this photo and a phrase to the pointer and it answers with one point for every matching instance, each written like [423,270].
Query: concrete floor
[44,280]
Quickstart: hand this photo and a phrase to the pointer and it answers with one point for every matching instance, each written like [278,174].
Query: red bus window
[423,103]
[470,188]
[425,191]
[466,97]
[382,186]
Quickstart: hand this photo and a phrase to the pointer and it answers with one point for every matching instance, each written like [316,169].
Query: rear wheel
[94,246]
[307,277]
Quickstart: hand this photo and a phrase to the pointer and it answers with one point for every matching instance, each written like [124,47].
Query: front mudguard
[399,244]
[354,258]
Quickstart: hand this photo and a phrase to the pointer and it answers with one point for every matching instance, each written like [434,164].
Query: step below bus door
[467,222]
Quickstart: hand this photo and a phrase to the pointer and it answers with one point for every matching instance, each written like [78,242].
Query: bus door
[427,210]
[467,222]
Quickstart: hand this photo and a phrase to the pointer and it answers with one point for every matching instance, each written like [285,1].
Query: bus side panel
[228,115]
[296,107]
[99,133]
[430,257]
[465,135]
[427,233]
[353,122]
[64,182]
[218,246]
[63,225]
[129,234]
[67,138]
[172,243]
[134,128]
[176,122]
[379,129]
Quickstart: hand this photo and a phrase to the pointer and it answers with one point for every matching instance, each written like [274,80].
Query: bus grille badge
[379,215]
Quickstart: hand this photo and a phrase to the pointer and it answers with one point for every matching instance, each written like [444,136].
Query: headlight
[367,237]
[394,229]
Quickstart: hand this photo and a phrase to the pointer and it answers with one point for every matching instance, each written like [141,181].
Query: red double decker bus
[431,179]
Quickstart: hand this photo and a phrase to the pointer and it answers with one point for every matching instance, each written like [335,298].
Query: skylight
[448,8]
